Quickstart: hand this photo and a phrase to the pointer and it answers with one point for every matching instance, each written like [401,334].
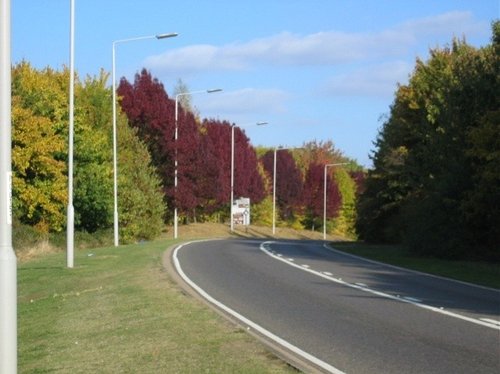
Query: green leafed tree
[141,206]
[38,147]
[435,159]
[39,158]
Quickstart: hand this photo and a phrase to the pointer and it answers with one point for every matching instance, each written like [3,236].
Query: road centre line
[307,356]
[265,247]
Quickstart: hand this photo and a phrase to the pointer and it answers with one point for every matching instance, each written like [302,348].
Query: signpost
[241,211]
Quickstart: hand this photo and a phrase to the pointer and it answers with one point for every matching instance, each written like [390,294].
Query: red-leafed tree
[288,180]
[149,108]
[215,173]
[247,179]
[313,196]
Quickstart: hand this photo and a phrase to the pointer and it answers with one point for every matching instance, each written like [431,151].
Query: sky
[316,70]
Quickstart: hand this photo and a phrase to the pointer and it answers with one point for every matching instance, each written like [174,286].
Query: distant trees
[147,151]
[289,181]
[436,175]
[39,155]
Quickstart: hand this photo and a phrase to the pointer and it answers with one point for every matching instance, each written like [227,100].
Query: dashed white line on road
[490,321]
[265,247]
[414,299]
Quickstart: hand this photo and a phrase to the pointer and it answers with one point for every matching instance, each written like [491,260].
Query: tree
[141,208]
[215,172]
[149,109]
[93,185]
[39,106]
[39,181]
[313,196]
[429,161]
[288,181]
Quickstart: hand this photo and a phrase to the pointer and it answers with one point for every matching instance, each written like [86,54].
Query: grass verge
[118,311]
[477,272]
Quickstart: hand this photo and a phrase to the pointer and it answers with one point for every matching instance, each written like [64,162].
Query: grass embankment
[118,310]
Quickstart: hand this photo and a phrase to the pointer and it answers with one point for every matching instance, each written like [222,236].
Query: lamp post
[8,261]
[70,226]
[176,136]
[115,168]
[324,196]
[232,169]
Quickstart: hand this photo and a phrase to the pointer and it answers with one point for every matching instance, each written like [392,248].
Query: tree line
[435,182]
[146,153]
[203,153]
[434,185]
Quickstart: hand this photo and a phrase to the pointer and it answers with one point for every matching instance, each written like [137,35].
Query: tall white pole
[232,169]
[115,166]
[71,211]
[115,163]
[274,192]
[8,261]
[232,177]
[175,165]
[175,139]
[324,203]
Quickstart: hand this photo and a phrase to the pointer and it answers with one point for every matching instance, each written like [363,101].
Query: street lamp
[324,196]
[115,167]
[70,226]
[274,184]
[232,167]
[175,138]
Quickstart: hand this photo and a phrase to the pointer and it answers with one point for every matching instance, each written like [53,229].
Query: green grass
[118,311]
[482,273]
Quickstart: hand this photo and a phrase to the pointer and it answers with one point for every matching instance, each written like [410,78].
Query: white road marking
[264,247]
[290,259]
[490,321]
[307,356]
[414,299]
[327,273]
[361,284]
[305,266]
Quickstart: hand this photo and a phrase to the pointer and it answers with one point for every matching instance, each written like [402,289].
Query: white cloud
[375,80]
[245,101]
[322,48]
[445,25]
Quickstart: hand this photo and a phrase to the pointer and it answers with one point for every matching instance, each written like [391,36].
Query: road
[341,313]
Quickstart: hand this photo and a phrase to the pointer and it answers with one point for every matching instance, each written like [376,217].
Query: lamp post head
[214,90]
[169,35]
[261,123]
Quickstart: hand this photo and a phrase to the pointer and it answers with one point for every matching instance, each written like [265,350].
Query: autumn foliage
[147,154]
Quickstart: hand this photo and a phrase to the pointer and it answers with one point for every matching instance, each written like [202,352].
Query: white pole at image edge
[8,262]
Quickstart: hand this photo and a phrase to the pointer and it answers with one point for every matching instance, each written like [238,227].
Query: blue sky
[315,70]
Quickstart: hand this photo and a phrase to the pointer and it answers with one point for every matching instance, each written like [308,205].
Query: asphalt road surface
[340,313]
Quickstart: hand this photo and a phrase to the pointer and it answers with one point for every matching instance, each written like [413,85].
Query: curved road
[341,313]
